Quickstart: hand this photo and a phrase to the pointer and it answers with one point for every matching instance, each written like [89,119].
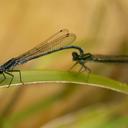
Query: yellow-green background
[101,27]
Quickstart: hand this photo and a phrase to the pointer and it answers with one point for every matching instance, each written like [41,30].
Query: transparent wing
[56,41]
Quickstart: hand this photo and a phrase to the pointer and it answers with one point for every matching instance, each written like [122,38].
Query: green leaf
[33,77]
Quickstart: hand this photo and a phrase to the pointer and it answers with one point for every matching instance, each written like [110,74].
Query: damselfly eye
[75,56]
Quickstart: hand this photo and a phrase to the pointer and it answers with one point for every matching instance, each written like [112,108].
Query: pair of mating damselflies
[57,42]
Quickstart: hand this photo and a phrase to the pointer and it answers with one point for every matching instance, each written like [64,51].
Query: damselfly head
[75,56]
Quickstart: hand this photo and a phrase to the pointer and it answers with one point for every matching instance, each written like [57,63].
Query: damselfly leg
[73,66]
[9,73]
[3,78]
[13,76]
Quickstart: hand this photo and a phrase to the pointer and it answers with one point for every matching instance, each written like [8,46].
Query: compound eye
[75,56]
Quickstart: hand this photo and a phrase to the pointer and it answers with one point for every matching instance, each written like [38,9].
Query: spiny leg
[80,70]
[19,74]
[3,78]
[73,66]
[86,69]
[11,78]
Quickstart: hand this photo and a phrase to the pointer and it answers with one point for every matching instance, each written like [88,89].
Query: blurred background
[101,27]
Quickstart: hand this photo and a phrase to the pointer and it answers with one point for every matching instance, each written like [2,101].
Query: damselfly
[81,58]
[57,42]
